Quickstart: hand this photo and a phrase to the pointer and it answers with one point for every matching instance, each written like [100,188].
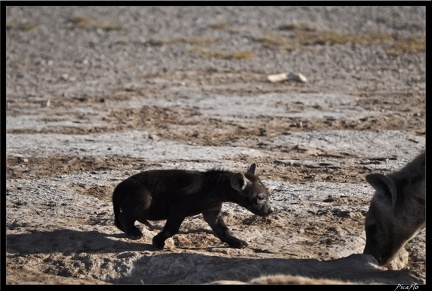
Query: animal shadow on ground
[203,269]
[70,241]
[187,268]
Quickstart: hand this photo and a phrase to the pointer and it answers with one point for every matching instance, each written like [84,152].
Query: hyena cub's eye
[261,197]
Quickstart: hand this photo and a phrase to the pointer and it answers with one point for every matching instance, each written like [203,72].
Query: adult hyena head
[397,210]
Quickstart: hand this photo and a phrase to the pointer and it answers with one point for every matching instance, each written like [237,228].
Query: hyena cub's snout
[263,207]
[260,204]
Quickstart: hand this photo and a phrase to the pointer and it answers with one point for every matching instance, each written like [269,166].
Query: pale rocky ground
[96,94]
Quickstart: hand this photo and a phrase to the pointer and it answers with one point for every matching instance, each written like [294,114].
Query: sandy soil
[105,97]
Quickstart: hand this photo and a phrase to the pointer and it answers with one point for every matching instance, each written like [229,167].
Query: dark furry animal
[397,210]
[175,194]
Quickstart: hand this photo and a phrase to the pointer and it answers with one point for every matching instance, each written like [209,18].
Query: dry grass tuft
[278,42]
[306,36]
[83,22]
[220,25]
[411,44]
[20,27]
[188,40]
[237,55]
[296,26]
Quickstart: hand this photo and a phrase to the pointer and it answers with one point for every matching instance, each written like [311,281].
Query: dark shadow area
[70,241]
[203,269]
[192,268]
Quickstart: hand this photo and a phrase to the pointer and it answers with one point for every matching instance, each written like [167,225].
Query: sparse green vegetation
[237,55]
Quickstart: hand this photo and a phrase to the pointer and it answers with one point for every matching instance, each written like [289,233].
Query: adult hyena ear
[383,184]
[238,181]
[252,169]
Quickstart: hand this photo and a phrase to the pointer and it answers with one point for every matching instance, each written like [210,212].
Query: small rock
[46,103]
[22,160]
[356,215]
[329,118]
[287,76]
[297,77]
[169,243]
[329,199]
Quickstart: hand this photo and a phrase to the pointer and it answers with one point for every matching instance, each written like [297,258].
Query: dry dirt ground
[313,142]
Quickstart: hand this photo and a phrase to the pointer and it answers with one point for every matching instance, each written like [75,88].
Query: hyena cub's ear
[252,169]
[383,184]
[238,181]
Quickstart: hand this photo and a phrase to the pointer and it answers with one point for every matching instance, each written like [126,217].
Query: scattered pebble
[287,77]
[22,160]
[46,103]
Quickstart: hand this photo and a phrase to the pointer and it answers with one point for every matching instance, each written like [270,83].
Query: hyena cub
[175,194]
[397,210]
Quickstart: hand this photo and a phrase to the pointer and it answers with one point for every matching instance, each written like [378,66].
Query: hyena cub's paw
[134,234]
[238,244]
[158,242]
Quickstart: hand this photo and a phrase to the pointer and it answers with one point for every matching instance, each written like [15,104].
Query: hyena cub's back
[397,210]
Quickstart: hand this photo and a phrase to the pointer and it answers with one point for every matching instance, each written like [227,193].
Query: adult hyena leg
[215,220]
[171,227]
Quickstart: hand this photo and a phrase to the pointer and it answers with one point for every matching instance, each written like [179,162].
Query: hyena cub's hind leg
[145,222]
[123,221]
[128,226]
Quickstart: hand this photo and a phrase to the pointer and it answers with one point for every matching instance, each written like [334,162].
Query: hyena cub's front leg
[171,227]
[215,220]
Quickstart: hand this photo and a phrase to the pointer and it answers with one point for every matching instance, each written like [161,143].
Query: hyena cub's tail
[116,208]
